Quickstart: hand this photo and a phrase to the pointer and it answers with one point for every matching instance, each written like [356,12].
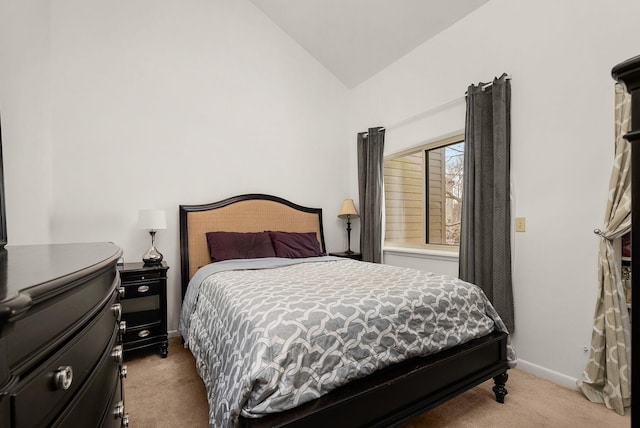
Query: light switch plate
[521,224]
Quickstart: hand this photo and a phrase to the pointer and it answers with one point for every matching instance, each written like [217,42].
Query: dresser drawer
[53,321]
[116,416]
[140,289]
[42,393]
[99,396]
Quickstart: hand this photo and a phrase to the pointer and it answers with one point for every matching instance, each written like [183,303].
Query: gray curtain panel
[370,186]
[3,212]
[485,236]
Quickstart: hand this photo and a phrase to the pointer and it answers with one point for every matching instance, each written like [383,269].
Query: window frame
[455,138]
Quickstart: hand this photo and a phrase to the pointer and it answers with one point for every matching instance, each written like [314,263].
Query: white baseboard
[543,372]
[173,333]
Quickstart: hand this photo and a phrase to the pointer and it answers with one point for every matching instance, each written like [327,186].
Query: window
[423,195]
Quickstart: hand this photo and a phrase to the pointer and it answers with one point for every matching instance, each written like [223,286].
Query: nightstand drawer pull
[121,291]
[64,377]
[143,288]
[144,333]
[122,327]
[123,372]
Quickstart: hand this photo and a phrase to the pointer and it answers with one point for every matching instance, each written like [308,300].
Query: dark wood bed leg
[499,389]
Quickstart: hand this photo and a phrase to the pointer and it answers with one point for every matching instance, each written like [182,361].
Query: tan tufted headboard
[244,213]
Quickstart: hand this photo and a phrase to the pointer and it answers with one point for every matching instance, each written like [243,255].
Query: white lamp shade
[152,220]
[348,209]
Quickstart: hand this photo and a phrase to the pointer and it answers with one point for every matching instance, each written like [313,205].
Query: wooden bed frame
[386,398]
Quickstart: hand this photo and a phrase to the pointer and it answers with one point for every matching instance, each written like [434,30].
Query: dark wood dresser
[60,337]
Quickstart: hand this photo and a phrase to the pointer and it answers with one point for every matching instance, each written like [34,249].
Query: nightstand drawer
[140,289]
[141,275]
[142,332]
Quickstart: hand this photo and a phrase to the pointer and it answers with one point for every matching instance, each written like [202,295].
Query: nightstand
[354,256]
[144,306]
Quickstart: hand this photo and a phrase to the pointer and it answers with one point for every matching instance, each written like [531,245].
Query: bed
[388,391]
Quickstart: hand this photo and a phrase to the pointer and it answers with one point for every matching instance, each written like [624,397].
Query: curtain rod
[425,113]
[432,110]
[419,115]
[506,77]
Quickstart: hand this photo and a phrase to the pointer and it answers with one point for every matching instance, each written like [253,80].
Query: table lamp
[348,211]
[152,220]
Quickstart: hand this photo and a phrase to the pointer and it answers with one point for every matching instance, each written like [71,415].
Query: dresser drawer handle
[117,310]
[122,327]
[143,289]
[118,412]
[116,353]
[64,377]
[121,292]
[144,333]
[123,372]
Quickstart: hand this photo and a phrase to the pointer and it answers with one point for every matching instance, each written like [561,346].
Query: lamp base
[348,236]
[152,257]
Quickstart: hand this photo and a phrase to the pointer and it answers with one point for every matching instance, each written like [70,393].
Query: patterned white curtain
[607,376]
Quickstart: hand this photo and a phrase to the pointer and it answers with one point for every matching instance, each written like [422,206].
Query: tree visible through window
[454,161]
[423,194]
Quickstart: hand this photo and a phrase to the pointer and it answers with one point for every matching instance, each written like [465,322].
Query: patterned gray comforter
[270,334]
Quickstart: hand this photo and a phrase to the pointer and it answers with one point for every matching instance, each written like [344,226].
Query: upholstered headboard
[244,213]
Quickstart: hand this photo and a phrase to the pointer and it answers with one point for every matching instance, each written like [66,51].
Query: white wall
[109,107]
[161,103]
[560,56]
[25,112]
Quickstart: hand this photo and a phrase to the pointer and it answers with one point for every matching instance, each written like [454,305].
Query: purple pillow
[237,245]
[293,245]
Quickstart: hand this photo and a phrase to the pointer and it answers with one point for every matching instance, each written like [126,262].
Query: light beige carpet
[169,393]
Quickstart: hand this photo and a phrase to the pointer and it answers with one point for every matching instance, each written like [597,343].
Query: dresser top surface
[29,267]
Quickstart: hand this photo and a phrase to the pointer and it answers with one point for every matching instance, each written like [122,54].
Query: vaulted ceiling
[355,39]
